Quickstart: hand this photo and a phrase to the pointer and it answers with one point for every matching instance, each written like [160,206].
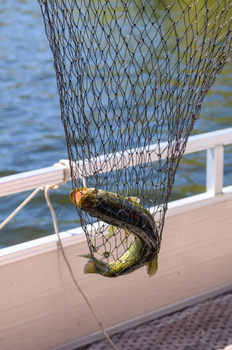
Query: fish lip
[74,199]
[79,196]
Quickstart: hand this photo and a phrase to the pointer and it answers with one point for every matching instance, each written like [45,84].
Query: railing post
[214,169]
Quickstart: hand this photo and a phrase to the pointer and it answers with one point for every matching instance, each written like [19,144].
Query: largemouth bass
[127,214]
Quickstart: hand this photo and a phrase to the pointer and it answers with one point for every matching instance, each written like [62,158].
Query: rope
[20,207]
[46,192]
[63,164]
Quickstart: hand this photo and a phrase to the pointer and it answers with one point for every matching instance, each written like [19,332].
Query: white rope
[63,164]
[46,192]
[20,207]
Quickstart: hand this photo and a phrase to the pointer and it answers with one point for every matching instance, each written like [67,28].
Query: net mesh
[132,76]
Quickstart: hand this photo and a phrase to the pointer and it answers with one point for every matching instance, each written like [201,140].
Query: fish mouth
[83,197]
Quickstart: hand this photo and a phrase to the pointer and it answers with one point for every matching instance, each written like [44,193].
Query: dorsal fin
[87,256]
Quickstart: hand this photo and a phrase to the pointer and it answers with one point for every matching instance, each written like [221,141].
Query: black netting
[132,76]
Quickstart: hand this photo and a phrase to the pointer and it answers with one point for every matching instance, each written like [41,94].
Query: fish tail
[152,266]
[91,267]
[99,267]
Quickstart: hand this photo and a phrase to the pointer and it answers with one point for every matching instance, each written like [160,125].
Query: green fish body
[129,215]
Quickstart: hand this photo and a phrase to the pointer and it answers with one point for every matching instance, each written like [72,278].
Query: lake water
[32,135]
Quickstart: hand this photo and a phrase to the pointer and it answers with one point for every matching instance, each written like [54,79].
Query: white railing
[213,142]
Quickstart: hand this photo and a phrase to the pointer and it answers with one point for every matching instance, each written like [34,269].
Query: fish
[125,213]
[113,228]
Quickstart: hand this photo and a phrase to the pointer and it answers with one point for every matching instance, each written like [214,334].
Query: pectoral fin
[111,231]
[152,266]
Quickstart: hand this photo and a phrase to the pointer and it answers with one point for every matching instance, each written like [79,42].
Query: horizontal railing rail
[59,173]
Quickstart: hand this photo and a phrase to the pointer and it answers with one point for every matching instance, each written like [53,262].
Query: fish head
[84,198]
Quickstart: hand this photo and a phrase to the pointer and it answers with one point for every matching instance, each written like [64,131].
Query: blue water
[32,135]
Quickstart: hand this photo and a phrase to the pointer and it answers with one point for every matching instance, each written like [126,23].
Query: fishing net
[132,76]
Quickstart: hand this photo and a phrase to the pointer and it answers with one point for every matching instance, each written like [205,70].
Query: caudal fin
[99,267]
[91,267]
